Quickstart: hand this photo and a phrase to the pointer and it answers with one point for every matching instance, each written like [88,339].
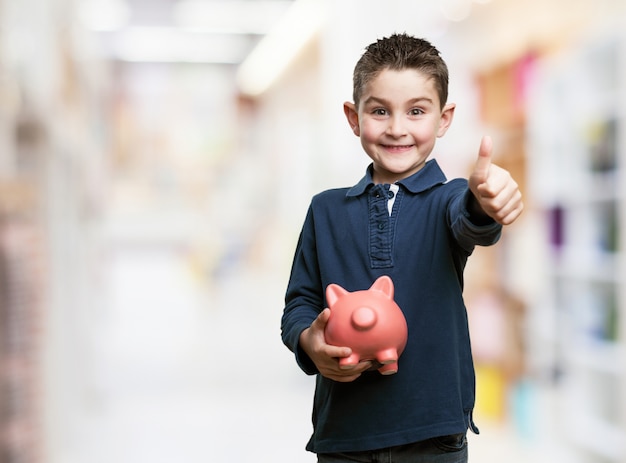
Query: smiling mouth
[397,147]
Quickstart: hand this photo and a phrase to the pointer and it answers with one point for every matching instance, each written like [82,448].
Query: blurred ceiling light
[234,17]
[456,10]
[169,44]
[103,15]
[269,59]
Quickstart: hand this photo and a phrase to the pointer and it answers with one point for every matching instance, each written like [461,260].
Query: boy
[405,220]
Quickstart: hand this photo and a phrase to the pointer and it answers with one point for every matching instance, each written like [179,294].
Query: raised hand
[496,192]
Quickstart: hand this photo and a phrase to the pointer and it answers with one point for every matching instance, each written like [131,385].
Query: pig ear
[384,284]
[333,293]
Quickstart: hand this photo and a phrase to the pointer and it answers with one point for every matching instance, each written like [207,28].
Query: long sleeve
[304,296]
[466,232]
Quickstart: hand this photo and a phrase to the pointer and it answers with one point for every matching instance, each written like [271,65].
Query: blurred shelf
[575,160]
[601,356]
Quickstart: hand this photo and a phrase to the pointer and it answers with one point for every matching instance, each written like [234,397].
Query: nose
[396,127]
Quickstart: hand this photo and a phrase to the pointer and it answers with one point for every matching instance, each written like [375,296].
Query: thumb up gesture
[495,191]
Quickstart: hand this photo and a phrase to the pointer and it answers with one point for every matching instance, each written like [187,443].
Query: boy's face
[398,120]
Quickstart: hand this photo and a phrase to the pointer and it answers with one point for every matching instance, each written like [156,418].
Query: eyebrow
[377,100]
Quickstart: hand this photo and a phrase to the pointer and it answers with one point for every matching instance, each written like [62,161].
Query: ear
[352,114]
[447,114]
[384,284]
[333,293]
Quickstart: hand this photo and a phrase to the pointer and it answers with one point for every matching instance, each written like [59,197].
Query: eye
[416,112]
[379,112]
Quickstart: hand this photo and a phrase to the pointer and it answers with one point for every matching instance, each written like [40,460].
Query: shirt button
[390,194]
[381,225]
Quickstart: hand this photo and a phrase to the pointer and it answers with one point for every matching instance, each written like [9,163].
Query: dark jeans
[445,449]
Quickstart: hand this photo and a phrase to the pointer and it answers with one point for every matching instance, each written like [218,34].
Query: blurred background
[156,161]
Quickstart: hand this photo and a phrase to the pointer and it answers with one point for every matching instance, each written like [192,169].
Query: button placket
[380,233]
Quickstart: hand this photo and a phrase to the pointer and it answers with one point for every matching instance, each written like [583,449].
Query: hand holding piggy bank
[369,322]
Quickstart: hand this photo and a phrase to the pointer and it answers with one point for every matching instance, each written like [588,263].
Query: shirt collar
[425,178]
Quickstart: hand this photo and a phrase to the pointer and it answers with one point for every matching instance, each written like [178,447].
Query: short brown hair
[398,52]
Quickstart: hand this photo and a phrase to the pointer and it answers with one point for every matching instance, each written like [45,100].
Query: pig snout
[364,318]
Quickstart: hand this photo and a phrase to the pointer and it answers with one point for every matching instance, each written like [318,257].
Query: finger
[508,208]
[337,352]
[512,217]
[342,378]
[513,214]
[360,367]
[483,163]
[330,350]
[498,185]
[349,372]
[320,322]
[365,366]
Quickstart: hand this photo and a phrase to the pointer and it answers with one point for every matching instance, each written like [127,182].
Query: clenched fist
[496,192]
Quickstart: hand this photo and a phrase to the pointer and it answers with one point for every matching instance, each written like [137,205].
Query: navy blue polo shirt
[349,238]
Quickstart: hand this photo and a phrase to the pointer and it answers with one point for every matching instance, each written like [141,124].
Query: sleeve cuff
[473,212]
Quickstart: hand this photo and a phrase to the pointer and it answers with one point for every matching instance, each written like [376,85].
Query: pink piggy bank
[369,322]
